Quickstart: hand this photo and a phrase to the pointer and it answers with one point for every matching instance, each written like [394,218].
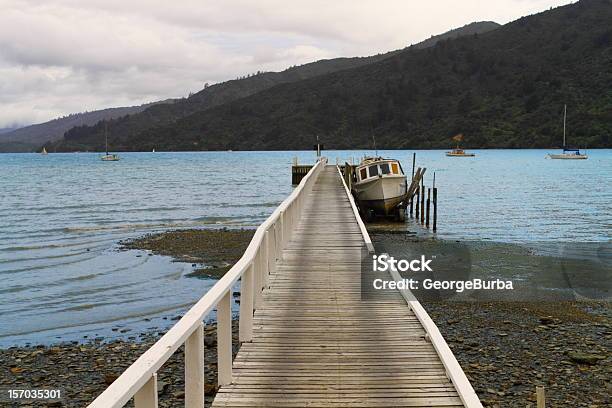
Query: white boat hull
[568,156]
[382,194]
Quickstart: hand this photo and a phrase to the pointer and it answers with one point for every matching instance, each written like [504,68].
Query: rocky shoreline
[83,371]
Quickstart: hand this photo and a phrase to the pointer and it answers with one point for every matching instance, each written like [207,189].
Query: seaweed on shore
[216,250]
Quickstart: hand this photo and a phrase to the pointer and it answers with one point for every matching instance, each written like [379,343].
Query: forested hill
[504,88]
[90,137]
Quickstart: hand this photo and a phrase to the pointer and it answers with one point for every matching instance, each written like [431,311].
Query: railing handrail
[136,376]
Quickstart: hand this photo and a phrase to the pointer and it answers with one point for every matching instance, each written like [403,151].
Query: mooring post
[435,209]
[416,196]
[422,203]
[428,206]
[413,163]
[411,205]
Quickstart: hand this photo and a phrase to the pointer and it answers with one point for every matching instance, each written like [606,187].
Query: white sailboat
[44,151]
[107,156]
[568,154]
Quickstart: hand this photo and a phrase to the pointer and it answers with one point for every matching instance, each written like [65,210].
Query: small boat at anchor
[108,156]
[380,187]
[44,152]
[457,152]
[568,153]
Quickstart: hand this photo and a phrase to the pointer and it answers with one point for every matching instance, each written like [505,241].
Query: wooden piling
[412,198]
[411,205]
[428,206]
[416,197]
[435,209]
[422,203]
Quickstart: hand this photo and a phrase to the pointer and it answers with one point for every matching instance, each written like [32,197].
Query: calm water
[62,215]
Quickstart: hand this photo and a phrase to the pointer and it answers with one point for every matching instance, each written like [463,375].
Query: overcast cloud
[64,56]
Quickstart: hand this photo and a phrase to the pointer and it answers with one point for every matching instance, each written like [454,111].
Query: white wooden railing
[140,379]
[454,372]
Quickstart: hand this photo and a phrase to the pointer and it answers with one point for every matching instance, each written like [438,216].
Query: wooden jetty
[307,337]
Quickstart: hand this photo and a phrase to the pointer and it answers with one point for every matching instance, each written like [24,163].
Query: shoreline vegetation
[505,348]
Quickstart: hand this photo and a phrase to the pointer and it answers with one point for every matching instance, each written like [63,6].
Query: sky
[65,56]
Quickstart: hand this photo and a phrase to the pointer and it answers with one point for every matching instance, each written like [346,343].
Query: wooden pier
[307,337]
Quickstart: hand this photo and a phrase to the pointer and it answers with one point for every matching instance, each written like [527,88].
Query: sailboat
[44,152]
[107,156]
[568,154]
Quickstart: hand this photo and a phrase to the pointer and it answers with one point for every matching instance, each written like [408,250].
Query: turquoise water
[62,215]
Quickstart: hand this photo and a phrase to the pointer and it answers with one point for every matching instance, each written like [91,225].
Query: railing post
[291,221]
[257,284]
[269,255]
[224,339]
[264,256]
[146,397]
[282,232]
[246,303]
[194,369]
[277,245]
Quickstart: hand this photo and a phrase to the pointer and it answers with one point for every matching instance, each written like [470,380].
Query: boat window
[395,168]
[363,174]
[384,168]
[373,170]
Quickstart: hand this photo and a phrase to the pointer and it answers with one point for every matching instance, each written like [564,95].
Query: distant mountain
[219,94]
[31,137]
[505,88]
[6,130]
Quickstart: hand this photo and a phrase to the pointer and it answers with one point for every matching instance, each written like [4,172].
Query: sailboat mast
[106,136]
[564,118]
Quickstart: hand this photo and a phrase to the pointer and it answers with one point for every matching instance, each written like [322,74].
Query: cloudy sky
[64,56]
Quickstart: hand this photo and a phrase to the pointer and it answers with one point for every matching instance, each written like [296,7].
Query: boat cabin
[377,167]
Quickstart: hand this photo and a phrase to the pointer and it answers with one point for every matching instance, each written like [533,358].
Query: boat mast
[564,118]
[374,140]
[106,136]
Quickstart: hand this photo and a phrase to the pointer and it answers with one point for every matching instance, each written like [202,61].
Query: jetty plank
[316,343]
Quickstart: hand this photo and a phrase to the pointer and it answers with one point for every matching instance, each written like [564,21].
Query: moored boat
[568,153]
[457,152]
[108,156]
[380,187]
[44,151]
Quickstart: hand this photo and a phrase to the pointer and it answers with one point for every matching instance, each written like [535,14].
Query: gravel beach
[507,349]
